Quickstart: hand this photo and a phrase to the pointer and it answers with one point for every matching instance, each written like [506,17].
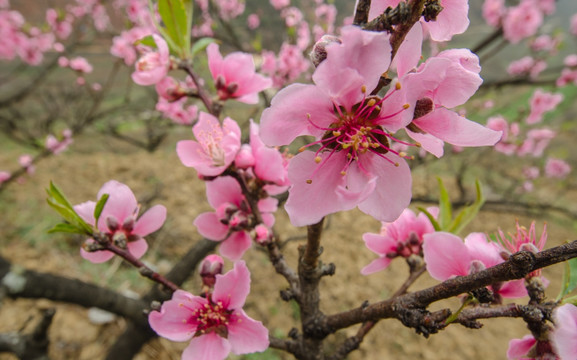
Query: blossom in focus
[403,237]
[232,219]
[523,240]
[354,164]
[210,267]
[443,82]
[235,76]
[119,221]
[154,65]
[564,337]
[215,147]
[557,168]
[216,324]
[446,256]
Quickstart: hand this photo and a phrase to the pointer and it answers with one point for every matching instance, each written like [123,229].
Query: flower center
[211,144]
[357,132]
[212,317]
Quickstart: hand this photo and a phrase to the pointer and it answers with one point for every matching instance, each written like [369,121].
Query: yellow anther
[363,89]
[184,321]
[418,144]
[309,181]
[406,106]
[398,86]
[397,164]
[336,133]
[318,159]
[402,154]
[346,146]
[371,102]
[343,173]
[301,149]
[375,145]
[365,144]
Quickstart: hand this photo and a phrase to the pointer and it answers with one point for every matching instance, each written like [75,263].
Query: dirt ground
[81,172]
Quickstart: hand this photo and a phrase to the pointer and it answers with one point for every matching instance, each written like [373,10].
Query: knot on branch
[328,269]
[314,327]
[422,320]
[287,295]
[432,9]
[522,263]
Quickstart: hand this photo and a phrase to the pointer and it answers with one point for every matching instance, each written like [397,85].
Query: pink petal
[459,83]
[150,221]
[451,21]
[565,332]
[450,127]
[483,250]
[392,192]
[235,245]
[233,287]
[343,85]
[366,52]
[121,203]
[86,211]
[223,190]
[174,319]
[513,289]
[96,257]
[247,335]
[137,248]
[215,60]
[209,226]
[309,203]
[518,348]
[268,204]
[428,142]
[380,244]
[445,255]
[409,52]
[291,112]
[376,265]
[207,347]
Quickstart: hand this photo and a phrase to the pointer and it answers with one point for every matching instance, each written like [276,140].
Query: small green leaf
[201,44]
[468,213]
[569,278]
[146,41]
[99,206]
[445,207]
[570,300]
[431,218]
[58,202]
[66,228]
[174,17]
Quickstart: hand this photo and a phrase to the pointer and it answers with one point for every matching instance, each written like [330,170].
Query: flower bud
[210,267]
[319,51]
[244,158]
[128,224]
[112,223]
[262,234]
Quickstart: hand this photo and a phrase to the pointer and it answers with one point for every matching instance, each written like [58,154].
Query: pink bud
[263,234]
[319,51]
[210,267]
[244,159]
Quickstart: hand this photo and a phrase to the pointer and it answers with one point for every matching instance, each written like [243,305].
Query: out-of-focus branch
[31,346]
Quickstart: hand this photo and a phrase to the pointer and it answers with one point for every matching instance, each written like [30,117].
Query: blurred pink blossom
[557,168]
[522,21]
[542,102]
[253,21]
[493,11]
[564,337]
[154,65]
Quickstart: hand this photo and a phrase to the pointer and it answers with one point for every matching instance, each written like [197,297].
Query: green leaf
[175,19]
[58,202]
[468,213]
[445,207]
[99,206]
[570,300]
[569,278]
[201,44]
[431,218]
[146,41]
[66,228]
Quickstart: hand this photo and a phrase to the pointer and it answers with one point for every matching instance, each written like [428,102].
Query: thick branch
[517,267]
[31,346]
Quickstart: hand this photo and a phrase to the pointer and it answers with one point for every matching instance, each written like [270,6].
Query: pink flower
[235,76]
[443,82]
[536,142]
[123,45]
[507,145]
[230,9]
[177,112]
[154,65]
[403,237]
[446,256]
[119,221]
[27,162]
[58,146]
[215,325]
[452,20]
[4,176]
[170,89]
[542,102]
[253,21]
[210,267]
[354,165]
[523,240]
[521,67]
[522,21]
[557,168]
[564,337]
[215,148]
[573,27]
[232,219]
[279,4]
